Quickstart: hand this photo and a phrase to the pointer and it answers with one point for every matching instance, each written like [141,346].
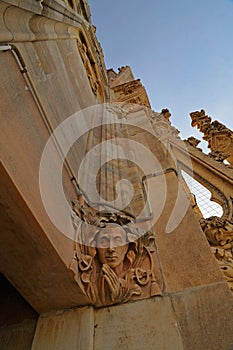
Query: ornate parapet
[126,89]
[124,75]
[132,92]
[113,261]
[218,136]
[219,233]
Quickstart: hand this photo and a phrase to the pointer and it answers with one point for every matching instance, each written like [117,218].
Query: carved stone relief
[139,100]
[128,88]
[129,92]
[162,125]
[219,233]
[89,65]
[113,262]
[117,110]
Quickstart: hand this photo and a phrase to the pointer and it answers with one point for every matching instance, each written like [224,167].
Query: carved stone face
[112,246]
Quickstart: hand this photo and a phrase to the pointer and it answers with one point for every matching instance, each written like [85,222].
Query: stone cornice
[29,21]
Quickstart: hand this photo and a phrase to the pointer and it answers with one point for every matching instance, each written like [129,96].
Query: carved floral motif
[113,262]
[219,232]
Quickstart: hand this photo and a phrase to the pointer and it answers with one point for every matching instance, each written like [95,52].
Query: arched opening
[202,195]
[17,318]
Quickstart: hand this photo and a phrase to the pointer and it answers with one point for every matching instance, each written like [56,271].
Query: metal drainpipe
[23,69]
[149,176]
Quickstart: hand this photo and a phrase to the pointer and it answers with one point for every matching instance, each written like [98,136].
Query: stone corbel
[113,261]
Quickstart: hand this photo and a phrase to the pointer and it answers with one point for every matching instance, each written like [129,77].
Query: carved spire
[218,136]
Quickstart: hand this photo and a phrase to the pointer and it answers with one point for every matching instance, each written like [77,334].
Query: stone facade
[99,240]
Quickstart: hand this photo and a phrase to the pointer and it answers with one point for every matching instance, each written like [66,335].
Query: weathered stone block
[205,316]
[148,324]
[65,330]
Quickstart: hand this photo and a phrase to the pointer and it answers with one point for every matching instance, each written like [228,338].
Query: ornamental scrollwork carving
[113,262]
[219,233]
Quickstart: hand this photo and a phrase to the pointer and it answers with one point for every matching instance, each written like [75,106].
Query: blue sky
[181,50]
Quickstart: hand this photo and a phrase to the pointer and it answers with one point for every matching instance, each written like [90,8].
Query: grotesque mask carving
[113,261]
